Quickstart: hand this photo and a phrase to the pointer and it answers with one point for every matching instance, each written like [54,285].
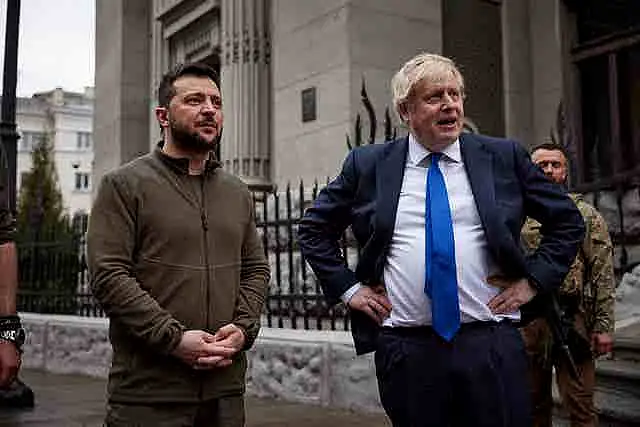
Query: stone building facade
[292,72]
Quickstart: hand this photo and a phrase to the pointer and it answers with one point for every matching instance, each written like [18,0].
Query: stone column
[121,114]
[246,89]
[517,71]
[546,66]
[159,60]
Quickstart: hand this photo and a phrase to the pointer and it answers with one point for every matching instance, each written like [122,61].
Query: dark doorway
[607,67]
[607,58]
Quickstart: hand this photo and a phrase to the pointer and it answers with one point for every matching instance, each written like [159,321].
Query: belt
[427,330]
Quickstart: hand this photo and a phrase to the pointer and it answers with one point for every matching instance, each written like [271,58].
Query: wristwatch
[11,330]
[15,335]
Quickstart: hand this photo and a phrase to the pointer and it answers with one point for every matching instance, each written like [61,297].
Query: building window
[597,19]
[82,181]
[609,143]
[83,140]
[80,222]
[28,140]
[309,105]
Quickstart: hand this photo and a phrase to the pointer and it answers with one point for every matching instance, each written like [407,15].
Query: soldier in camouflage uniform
[586,299]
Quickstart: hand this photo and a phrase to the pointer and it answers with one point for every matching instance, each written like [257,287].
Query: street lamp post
[8,131]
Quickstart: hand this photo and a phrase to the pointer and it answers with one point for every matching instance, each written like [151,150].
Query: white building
[66,118]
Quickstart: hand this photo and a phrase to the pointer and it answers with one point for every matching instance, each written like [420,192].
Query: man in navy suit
[442,280]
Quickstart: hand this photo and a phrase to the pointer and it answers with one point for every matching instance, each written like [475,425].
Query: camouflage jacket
[590,278]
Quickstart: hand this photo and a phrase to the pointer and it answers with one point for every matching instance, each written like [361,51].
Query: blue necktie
[441,284]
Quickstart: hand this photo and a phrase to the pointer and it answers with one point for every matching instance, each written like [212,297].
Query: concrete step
[617,393]
[627,348]
[619,372]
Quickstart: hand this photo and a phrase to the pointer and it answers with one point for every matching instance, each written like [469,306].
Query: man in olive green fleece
[177,264]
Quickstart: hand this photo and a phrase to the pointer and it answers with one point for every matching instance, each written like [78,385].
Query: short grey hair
[429,67]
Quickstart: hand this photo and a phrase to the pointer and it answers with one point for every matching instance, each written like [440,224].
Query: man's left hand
[9,363]
[601,343]
[513,295]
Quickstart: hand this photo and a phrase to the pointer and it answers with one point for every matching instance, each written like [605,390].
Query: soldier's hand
[372,300]
[513,294]
[9,363]
[601,343]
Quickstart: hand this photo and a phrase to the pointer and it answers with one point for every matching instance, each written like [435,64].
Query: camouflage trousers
[576,396]
[223,412]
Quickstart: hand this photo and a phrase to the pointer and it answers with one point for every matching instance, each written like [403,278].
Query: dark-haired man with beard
[176,262]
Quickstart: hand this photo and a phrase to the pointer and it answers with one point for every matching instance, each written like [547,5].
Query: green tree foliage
[48,249]
[40,206]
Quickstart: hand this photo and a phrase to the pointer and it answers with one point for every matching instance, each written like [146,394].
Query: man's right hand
[196,344]
[372,300]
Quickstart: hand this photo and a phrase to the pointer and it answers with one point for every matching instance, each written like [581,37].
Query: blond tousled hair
[428,67]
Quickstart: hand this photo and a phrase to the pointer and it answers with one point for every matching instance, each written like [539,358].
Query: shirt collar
[181,165]
[417,152]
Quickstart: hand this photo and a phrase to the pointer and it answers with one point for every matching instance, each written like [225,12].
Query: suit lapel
[478,162]
[389,175]
[389,172]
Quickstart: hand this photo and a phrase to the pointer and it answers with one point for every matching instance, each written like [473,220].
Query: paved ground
[77,401]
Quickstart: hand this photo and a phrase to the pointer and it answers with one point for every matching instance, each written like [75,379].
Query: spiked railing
[389,129]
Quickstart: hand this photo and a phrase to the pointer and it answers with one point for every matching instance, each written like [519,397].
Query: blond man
[441,279]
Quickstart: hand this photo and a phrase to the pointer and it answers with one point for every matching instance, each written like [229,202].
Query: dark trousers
[223,412]
[478,379]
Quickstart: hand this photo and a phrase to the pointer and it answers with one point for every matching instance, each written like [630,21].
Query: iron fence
[79,304]
[58,282]
[54,276]
[295,299]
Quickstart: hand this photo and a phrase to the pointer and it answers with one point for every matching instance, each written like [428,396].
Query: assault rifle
[555,319]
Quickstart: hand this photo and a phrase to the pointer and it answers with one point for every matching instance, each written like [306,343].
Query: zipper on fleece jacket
[205,228]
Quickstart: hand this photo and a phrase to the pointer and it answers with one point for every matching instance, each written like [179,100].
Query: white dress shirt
[404,272]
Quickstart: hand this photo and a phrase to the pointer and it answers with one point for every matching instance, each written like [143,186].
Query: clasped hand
[202,350]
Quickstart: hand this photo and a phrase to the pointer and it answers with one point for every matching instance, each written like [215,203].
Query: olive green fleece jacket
[167,252]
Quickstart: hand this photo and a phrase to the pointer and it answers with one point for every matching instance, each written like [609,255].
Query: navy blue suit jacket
[507,188]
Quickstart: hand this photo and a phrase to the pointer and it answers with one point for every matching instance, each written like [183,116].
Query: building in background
[292,71]
[65,119]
